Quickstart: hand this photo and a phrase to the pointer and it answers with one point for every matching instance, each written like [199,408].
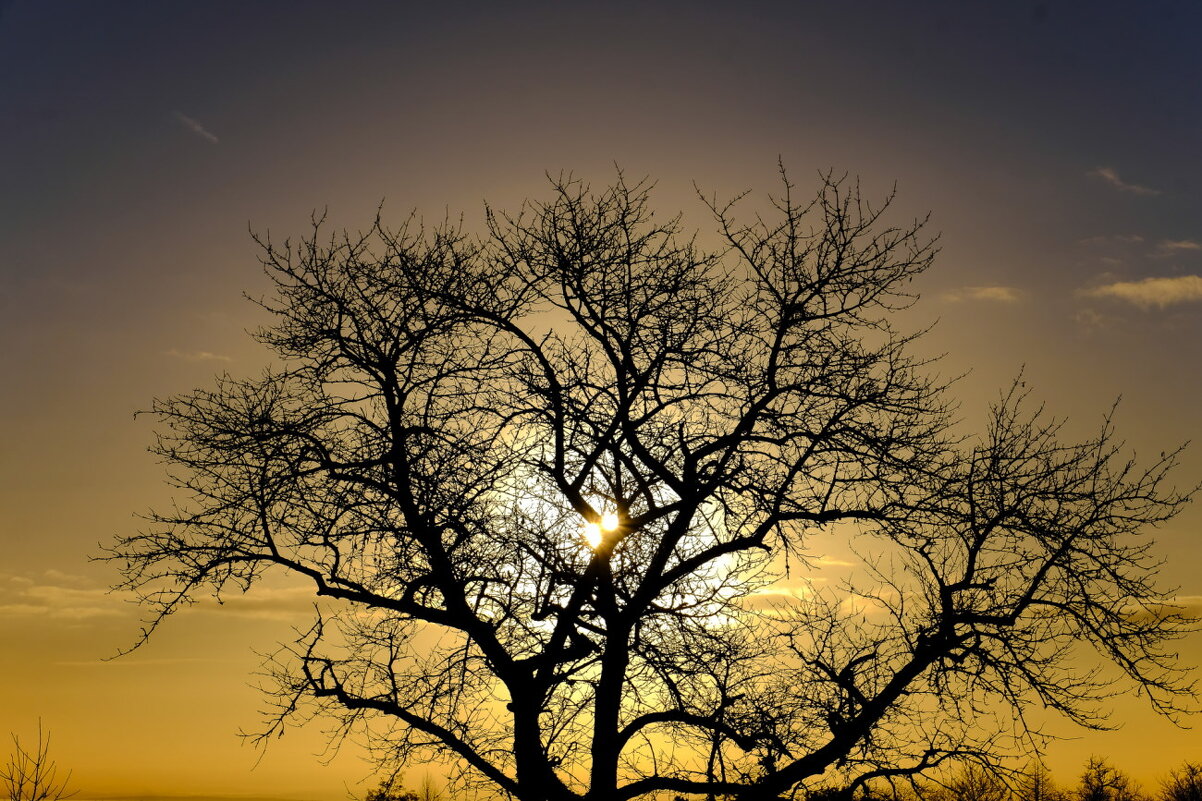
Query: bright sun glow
[594,532]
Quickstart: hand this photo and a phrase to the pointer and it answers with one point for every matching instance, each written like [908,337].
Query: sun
[594,533]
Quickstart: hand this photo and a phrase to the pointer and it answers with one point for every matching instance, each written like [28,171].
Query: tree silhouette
[1101,781]
[31,775]
[1036,784]
[972,782]
[1183,784]
[387,791]
[560,489]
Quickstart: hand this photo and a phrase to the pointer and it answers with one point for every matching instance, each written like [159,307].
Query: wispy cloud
[1170,247]
[195,127]
[197,356]
[870,605]
[782,602]
[1189,606]
[773,596]
[1111,176]
[132,661]
[57,596]
[1093,320]
[61,596]
[998,294]
[1112,239]
[264,603]
[1152,292]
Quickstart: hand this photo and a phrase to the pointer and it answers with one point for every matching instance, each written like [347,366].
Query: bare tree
[388,791]
[971,782]
[1101,781]
[975,783]
[428,791]
[560,489]
[31,775]
[1183,784]
[1036,784]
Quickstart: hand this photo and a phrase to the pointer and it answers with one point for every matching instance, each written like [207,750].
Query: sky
[1055,144]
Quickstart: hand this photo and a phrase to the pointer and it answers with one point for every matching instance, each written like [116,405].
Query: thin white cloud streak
[196,128]
[197,356]
[1111,176]
[1152,292]
[997,294]
[827,561]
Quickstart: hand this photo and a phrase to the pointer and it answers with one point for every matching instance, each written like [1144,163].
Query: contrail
[195,127]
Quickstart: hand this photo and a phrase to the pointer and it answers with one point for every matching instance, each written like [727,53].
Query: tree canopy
[560,487]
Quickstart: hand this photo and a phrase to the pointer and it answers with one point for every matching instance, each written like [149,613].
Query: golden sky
[1056,144]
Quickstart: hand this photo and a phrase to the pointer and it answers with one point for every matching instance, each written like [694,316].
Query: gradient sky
[1058,145]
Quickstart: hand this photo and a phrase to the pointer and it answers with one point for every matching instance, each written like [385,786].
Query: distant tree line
[392,790]
[1099,780]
